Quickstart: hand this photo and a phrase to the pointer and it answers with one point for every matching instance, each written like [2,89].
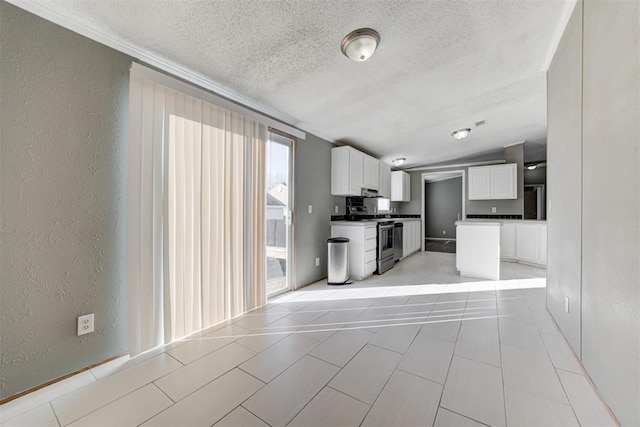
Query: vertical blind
[196,214]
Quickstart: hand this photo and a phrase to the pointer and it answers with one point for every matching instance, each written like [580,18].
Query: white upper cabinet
[479,183]
[493,182]
[347,171]
[505,181]
[400,187]
[384,188]
[371,174]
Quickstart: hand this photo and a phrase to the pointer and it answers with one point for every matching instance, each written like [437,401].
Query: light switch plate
[336,209]
[310,208]
[493,209]
[566,304]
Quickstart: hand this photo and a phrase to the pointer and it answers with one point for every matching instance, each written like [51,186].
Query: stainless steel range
[385,246]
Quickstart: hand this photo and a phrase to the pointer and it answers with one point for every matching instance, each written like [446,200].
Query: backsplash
[494,216]
[377,216]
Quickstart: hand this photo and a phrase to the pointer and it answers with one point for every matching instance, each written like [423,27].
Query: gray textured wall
[63,101]
[593,117]
[442,203]
[611,203]
[312,187]
[513,154]
[564,195]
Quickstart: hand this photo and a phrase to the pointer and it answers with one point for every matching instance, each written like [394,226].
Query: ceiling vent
[480,123]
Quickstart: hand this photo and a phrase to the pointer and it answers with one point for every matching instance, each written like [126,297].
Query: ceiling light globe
[360,44]
[461,133]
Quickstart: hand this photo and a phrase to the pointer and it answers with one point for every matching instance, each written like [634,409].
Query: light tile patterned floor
[419,345]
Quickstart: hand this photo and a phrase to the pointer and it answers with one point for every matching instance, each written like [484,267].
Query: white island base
[478,249]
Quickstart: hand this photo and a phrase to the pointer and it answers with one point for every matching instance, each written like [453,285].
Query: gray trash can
[338,261]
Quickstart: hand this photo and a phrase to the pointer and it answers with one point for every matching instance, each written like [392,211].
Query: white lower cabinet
[508,241]
[410,237]
[362,247]
[524,241]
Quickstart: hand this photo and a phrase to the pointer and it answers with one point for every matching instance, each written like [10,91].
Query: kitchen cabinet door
[504,181]
[400,191]
[347,171]
[508,240]
[531,242]
[527,242]
[406,238]
[384,188]
[493,182]
[410,237]
[371,174]
[362,248]
[542,244]
[406,187]
[479,183]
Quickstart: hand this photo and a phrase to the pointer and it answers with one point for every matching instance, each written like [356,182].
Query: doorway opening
[534,199]
[443,203]
[279,213]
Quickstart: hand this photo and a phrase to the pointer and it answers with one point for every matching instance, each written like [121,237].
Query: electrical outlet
[494,209]
[318,262]
[566,304]
[336,209]
[310,208]
[444,231]
[85,324]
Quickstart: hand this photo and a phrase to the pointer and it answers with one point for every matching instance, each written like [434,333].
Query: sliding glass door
[279,213]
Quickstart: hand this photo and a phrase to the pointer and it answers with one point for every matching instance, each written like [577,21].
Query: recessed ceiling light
[360,44]
[461,133]
[399,161]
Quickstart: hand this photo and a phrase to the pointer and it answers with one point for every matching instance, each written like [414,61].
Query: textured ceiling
[440,66]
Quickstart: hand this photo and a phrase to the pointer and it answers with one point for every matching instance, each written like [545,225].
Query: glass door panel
[279,213]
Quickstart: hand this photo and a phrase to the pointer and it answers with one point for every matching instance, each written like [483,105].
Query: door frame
[423,180]
[291,210]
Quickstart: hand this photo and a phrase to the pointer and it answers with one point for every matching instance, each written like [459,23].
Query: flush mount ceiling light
[461,133]
[399,161]
[360,44]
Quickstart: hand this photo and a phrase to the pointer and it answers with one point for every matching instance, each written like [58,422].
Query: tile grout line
[157,413]
[163,392]
[319,391]
[54,413]
[449,367]
[464,416]
[246,409]
[106,404]
[504,387]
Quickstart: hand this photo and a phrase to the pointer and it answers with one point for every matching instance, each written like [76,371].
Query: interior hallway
[418,345]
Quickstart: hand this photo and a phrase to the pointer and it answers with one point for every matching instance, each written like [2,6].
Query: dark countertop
[373,217]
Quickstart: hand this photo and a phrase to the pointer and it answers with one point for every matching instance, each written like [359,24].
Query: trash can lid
[338,240]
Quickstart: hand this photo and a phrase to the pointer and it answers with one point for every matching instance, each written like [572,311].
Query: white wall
[564,171]
[601,105]
[611,209]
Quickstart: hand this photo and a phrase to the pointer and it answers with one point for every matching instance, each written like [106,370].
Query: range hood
[368,192]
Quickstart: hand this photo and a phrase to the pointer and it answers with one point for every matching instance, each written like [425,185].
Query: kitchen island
[478,249]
